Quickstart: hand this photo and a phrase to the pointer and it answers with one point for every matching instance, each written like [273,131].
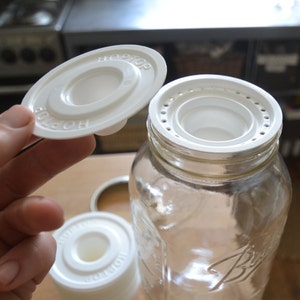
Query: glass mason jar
[209,191]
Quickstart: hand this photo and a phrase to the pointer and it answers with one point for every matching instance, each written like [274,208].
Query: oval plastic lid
[95,92]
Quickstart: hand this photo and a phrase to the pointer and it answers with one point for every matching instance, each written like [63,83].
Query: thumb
[16,125]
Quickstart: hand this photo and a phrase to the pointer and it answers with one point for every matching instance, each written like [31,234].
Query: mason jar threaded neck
[216,166]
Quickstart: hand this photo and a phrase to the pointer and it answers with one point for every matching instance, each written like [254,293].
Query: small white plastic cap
[96,258]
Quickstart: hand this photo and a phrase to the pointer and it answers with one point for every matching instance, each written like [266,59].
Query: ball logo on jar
[239,266]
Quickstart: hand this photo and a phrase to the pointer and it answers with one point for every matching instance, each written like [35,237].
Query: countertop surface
[74,187]
[205,18]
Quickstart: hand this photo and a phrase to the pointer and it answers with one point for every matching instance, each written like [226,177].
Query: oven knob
[47,54]
[28,55]
[8,55]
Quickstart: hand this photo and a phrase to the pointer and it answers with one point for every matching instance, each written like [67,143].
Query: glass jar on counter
[209,191]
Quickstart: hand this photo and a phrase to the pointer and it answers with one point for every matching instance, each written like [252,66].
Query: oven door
[13,90]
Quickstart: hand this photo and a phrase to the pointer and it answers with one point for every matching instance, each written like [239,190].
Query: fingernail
[8,272]
[16,117]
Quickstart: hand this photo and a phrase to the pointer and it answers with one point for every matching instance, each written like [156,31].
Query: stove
[30,41]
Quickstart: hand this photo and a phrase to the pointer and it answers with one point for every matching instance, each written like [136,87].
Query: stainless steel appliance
[30,44]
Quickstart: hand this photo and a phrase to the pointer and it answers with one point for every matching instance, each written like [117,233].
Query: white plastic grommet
[91,90]
[96,258]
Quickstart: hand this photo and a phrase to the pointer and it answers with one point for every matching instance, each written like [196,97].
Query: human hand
[27,252]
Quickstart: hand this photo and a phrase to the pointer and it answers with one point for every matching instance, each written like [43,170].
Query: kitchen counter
[74,187]
[166,20]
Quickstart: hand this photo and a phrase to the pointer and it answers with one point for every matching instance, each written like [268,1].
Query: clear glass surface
[205,238]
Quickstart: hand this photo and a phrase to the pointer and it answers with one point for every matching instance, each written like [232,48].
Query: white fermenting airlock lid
[216,114]
[95,92]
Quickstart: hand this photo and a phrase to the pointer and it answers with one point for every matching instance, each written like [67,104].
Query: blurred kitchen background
[254,40]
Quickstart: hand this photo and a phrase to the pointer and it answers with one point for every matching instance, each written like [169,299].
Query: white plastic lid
[96,258]
[95,92]
[215,114]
